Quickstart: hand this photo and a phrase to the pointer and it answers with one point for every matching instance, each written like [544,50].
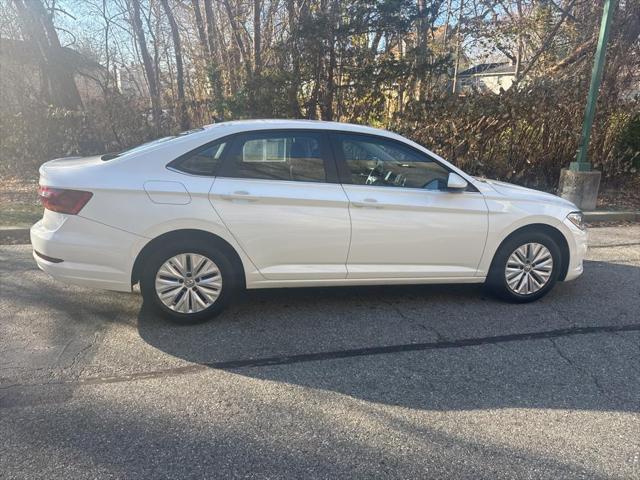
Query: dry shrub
[38,133]
[524,135]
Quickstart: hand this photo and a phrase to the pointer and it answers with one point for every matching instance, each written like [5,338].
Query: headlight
[577,218]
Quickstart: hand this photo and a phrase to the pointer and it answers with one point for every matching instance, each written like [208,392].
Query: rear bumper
[83,252]
[578,245]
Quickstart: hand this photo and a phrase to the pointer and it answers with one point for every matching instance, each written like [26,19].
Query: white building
[486,77]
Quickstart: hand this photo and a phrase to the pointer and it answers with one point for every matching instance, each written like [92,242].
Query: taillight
[63,200]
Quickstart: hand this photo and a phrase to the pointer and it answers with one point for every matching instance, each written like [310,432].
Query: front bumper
[578,245]
[92,254]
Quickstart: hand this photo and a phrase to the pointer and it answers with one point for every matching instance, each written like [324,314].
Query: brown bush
[524,135]
[39,133]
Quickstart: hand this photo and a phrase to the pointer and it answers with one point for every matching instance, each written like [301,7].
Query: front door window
[380,162]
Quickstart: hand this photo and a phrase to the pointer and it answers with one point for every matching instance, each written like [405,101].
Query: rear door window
[284,155]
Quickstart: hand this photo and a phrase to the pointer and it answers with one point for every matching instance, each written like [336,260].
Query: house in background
[485,78]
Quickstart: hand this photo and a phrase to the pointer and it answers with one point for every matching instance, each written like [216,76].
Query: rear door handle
[239,196]
[367,203]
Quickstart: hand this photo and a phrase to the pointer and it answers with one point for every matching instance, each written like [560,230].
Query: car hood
[517,192]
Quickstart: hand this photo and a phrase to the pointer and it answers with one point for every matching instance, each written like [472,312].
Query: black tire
[497,278]
[165,252]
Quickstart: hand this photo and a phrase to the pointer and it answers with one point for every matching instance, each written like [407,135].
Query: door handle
[240,196]
[367,203]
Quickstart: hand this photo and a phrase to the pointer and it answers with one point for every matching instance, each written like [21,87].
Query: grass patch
[18,214]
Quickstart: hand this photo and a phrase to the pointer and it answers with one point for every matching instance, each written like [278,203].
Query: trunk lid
[69,171]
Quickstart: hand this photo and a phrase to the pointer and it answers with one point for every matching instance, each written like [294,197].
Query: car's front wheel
[525,267]
[187,284]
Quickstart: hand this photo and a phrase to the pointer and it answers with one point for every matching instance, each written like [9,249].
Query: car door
[405,222]
[277,193]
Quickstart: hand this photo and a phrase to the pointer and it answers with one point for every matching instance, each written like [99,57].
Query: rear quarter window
[203,161]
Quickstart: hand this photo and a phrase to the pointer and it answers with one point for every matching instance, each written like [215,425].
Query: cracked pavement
[363,382]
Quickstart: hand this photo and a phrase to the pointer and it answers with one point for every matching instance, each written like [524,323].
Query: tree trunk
[136,23]
[257,39]
[327,108]
[237,35]
[211,33]
[181,108]
[421,60]
[214,60]
[458,42]
[446,25]
[202,35]
[37,26]
[294,86]
[255,84]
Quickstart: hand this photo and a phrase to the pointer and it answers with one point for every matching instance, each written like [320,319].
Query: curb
[14,235]
[20,235]
[611,216]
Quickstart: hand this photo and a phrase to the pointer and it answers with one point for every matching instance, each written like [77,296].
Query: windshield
[152,143]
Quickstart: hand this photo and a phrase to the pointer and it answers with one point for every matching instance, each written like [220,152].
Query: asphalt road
[376,382]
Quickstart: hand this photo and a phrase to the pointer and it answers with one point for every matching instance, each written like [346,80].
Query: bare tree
[181,109]
[458,47]
[37,27]
[257,39]
[150,72]
[202,35]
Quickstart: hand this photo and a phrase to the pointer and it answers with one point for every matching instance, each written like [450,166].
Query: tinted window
[153,143]
[380,162]
[278,156]
[202,161]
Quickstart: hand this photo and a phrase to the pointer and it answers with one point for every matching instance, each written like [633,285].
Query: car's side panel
[125,207]
[363,281]
[507,216]
[94,255]
[290,230]
[414,233]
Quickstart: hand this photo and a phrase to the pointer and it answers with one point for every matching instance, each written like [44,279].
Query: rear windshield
[144,146]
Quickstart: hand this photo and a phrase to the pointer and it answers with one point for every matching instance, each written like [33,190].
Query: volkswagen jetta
[280,203]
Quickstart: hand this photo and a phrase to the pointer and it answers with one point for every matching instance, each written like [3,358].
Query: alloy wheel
[188,283]
[528,268]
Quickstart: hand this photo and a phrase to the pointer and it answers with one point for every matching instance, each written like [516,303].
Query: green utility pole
[582,163]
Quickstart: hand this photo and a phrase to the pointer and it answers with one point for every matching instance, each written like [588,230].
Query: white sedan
[282,203]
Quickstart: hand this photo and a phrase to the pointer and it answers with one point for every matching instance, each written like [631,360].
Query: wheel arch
[550,230]
[187,235]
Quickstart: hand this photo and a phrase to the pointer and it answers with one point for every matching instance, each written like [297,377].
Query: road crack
[343,354]
[416,321]
[585,372]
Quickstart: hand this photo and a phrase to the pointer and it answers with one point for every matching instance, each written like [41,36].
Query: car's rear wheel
[525,267]
[188,283]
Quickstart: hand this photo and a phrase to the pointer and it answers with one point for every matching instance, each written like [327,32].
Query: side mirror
[456,182]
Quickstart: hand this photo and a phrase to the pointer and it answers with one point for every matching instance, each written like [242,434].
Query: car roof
[234,126]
